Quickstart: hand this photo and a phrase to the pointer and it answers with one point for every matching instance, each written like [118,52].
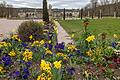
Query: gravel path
[63,36]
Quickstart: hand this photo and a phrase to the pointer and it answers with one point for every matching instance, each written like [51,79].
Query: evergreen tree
[45,11]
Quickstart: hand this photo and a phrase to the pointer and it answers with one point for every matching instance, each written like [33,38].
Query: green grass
[109,25]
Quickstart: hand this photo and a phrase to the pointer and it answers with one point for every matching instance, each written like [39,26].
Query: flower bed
[91,58]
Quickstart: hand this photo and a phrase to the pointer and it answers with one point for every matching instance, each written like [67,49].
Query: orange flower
[86,24]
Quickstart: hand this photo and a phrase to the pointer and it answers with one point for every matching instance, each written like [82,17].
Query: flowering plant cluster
[91,58]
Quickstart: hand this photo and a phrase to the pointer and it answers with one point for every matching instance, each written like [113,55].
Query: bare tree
[9,10]
[94,4]
[105,2]
[115,1]
[5,9]
[87,9]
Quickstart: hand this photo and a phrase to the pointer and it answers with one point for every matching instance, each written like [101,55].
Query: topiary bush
[30,28]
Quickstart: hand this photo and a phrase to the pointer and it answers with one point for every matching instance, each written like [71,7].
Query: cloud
[55,3]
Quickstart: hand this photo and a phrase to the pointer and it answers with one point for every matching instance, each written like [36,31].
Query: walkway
[63,36]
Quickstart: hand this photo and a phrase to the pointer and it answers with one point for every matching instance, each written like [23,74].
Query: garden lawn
[108,25]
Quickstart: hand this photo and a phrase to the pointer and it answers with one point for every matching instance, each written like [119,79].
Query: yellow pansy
[12,54]
[49,78]
[62,55]
[31,37]
[89,53]
[27,55]
[36,43]
[57,64]
[1,69]
[3,44]
[71,47]
[47,51]
[42,42]
[45,66]
[16,37]
[65,57]
[90,38]
[41,78]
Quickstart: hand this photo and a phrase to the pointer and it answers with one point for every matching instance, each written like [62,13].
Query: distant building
[26,13]
[29,13]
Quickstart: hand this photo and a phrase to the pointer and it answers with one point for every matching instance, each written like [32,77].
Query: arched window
[27,15]
[33,14]
[70,14]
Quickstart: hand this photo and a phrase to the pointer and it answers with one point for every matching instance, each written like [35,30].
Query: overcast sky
[55,3]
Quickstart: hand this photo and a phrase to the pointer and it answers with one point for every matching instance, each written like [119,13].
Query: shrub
[28,28]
